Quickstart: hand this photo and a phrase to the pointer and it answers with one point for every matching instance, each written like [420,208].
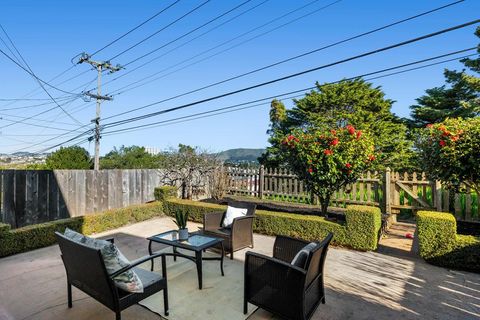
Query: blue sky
[50,33]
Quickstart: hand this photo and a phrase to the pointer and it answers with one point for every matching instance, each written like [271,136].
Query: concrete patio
[360,285]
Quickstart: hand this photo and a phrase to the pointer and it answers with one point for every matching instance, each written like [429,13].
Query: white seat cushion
[231,214]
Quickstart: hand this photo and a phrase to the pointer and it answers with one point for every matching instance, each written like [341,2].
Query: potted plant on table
[181,218]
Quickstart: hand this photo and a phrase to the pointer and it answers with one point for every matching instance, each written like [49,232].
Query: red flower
[334,132]
[334,142]
[429,125]
[310,170]
[348,165]
[328,152]
[359,133]
[454,138]
[442,143]
[350,129]
[371,157]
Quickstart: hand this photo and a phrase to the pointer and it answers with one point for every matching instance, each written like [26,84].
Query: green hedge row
[359,232]
[165,192]
[42,235]
[440,245]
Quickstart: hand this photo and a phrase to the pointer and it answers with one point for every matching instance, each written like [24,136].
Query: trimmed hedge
[42,235]
[165,192]
[363,226]
[440,245]
[359,232]
[436,233]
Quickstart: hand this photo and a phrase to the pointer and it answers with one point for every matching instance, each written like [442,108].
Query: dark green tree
[133,157]
[458,98]
[354,102]
[74,157]
[272,157]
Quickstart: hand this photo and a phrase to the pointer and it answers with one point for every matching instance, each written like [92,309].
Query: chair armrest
[212,220]
[139,261]
[110,240]
[265,272]
[242,229]
[285,248]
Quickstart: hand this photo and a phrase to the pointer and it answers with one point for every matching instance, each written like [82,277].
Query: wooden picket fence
[391,191]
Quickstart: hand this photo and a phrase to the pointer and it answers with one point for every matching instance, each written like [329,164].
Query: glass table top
[194,240]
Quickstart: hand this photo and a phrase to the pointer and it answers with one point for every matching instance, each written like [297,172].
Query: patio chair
[236,237]
[86,271]
[277,286]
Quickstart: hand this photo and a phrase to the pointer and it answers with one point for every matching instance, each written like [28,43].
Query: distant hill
[240,155]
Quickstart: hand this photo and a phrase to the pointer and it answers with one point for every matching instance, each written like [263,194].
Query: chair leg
[323,291]
[231,255]
[69,294]
[118,315]
[165,300]
[245,306]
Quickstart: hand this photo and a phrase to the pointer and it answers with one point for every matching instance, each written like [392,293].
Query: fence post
[387,179]
[261,182]
[437,196]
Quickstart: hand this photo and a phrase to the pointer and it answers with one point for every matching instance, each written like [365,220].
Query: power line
[238,107]
[186,42]
[301,90]
[33,74]
[158,31]
[188,33]
[303,54]
[258,85]
[135,28]
[279,18]
[30,73]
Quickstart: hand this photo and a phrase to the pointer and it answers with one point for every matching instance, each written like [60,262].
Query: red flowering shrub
[328,160]
[450,152]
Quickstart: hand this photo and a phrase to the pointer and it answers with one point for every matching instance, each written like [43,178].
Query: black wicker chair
[276,285]
[86,271]
[240,235]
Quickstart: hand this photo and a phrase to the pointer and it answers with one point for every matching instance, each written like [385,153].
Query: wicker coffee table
[196,242]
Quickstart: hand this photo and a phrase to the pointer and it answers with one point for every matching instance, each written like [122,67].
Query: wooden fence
[35,196]
[391,191]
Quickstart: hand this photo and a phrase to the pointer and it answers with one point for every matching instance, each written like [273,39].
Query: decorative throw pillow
[114,260]
[301,257]
[231,214]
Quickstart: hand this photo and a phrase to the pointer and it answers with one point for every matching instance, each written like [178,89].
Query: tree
[460,97]
[355,102]
[190,168]
[133,157]
[328,159]
[74,157]
[449,152]
[278,114]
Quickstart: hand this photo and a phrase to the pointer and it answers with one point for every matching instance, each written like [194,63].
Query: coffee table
[196,242]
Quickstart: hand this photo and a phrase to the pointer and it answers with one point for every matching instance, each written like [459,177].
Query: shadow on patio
[360,285]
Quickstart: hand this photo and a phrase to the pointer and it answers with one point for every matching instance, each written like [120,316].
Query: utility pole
[100,66]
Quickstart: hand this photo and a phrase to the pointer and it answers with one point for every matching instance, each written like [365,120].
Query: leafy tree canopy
[459,97]
[133,157]
[74,157]
[354,102]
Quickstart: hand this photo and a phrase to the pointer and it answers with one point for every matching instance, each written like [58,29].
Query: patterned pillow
[300,259]
[114,260]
